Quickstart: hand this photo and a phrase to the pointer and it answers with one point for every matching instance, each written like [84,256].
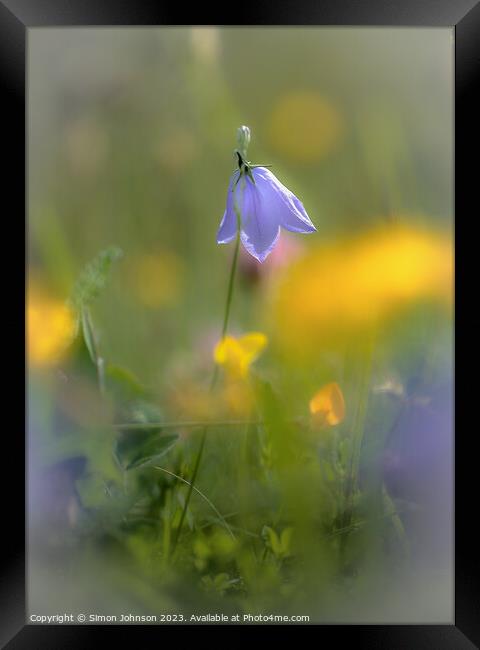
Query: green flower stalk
[243,139]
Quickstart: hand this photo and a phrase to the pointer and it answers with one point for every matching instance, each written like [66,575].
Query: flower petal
[260,225]
[236,355]
[228,226]
[226,348]
[290,211]
[328,405]
[252,345]
[298,221]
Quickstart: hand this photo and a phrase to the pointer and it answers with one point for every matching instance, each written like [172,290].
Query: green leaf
[88,334]
[271,539]
[222,581]
[145,412]
[285,541]
[93,278]
[139,447]
[219,584]
[279,545]
[123,383]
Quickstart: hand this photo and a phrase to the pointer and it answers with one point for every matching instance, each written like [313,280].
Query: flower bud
[243,139]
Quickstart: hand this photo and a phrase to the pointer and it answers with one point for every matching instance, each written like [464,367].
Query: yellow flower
[237,355]
[327,406]
[50,329]
[348,286]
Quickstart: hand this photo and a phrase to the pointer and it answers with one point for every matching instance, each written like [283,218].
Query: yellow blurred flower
[237,354]
[157,278]
[50,328]
[304,127]
[327,406]
[351,285]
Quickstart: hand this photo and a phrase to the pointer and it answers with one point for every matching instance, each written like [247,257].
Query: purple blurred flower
[263,205]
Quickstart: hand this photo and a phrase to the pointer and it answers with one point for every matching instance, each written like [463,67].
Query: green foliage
[123,384]
[141,447]
[219,584]
[279,545]
[88,334]
[93,278]
[202,551]
[90,283]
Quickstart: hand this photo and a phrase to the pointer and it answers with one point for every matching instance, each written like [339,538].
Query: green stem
[167,528]
[92,345]
[231,282]
[204,496]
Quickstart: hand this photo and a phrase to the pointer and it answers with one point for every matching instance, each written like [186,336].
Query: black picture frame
[16,17]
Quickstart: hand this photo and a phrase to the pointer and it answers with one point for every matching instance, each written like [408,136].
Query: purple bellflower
[259,205]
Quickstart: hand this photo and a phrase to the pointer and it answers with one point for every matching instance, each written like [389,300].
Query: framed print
[240,293]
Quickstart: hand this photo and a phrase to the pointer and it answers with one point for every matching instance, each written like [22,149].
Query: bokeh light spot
[304,127]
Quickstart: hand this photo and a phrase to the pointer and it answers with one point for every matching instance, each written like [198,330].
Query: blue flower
[263,204]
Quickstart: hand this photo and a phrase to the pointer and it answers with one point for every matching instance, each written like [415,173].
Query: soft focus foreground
[326,482]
